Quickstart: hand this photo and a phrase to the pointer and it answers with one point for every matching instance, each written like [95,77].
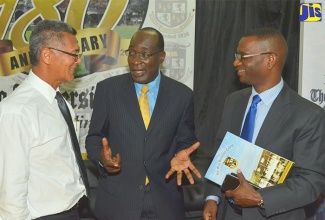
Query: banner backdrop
[312,53]
[312,71]
[104,30]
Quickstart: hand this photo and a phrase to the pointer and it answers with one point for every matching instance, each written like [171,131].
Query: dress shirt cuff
[215,198]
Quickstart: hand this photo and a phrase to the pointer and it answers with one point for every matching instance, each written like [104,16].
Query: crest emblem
[230,162]
[175,62]
[171,15]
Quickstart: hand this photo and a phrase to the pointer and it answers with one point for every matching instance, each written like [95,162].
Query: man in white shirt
[39,173]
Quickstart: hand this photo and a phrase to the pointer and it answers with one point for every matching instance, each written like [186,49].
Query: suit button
[146,139]
[141,187]
[145,163]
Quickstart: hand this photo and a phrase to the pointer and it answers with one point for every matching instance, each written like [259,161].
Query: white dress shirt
[39,174]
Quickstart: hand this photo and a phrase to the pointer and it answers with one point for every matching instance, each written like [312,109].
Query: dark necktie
[249,124]
[76,148]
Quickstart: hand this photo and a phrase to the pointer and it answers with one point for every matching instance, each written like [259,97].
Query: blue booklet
[260,167]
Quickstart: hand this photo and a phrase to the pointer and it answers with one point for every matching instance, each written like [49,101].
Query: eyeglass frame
[76,56]
[240,57]
[145,55]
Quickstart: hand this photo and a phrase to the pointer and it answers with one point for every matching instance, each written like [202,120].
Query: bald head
[160,46]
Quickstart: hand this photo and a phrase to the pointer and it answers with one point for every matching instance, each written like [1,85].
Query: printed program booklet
[260,167]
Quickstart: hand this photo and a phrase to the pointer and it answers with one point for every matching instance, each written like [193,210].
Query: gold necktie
[144,105]
[145,111]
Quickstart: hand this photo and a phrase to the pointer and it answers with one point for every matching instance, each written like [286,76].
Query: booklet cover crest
[259,166]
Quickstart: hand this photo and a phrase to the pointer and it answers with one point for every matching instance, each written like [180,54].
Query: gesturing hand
[182,162]
[111,164]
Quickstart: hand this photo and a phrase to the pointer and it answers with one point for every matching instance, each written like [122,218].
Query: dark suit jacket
[295,129]
[116,115]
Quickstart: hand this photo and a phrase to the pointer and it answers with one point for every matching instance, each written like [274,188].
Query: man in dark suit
[142,186]
[285,124]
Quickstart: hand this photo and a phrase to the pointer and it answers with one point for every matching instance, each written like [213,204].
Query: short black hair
[45,34]
[264,32]
[275,39]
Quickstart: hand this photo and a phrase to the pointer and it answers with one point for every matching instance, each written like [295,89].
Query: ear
[272,60]
[46,56]
[162,57]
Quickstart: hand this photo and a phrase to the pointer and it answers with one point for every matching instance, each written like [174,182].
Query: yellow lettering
[7,8]
[115,10]
[43,9]
[47,10]
[76,13]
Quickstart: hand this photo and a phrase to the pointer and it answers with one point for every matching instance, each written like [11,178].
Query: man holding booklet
[274,117]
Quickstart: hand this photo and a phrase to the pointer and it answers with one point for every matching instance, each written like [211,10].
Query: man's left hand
[182,162]
[244,195]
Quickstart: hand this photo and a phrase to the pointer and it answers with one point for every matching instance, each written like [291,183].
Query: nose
[135,60]
[79,60]
[236,62]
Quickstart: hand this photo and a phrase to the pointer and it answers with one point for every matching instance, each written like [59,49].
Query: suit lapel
[275,117]
[131,100]
[240,112]
[162,102]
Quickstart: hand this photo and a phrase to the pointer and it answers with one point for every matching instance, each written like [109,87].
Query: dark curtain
[219,26]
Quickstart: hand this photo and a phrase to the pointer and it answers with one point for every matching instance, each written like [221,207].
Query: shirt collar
[44,88]
[269,95]
[152,85]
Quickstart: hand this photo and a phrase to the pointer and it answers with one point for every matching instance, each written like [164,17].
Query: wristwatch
[261,204]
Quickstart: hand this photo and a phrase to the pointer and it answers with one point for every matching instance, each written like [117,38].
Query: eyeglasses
[76,56]
[141,55]
[240,57]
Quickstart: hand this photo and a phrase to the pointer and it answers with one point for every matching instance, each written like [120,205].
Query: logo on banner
[171,14]
[175,61]
[310,12]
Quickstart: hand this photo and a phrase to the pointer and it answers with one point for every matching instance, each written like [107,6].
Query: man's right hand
[210,210]
[111,164]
